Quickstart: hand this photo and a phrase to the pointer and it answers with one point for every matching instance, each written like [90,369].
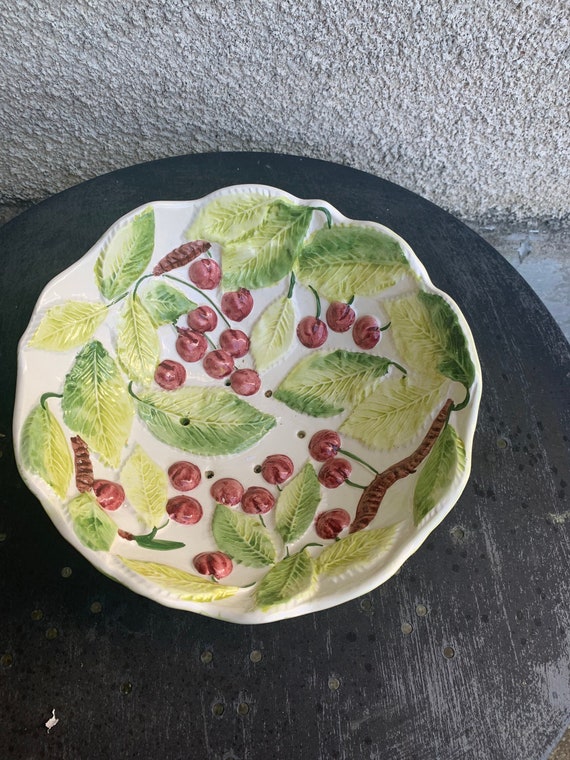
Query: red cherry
[257,500]
[184,476]
[191,345]
[205,274]
[218,364]
[227,491]
[324,445]
[184,510]
[312,332]
[170,375]
[109,495]
[237,304]
[334,472]
[277,468]
[235,342]
[366,332]
[329,524]
[340,316]
[217,564]
[202,318]
[245,382]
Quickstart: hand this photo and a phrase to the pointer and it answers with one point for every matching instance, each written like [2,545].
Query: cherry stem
[145,277]
[318,301]
[358,459]
[351,301]
[197,290]
[45,397]
[355,485]
[262,521]
[307,546]
[117,300]
[291,285]
[327,213]
[463,404]
[385,327]
[399,366]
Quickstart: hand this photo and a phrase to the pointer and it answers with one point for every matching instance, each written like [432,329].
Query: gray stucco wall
[463,102]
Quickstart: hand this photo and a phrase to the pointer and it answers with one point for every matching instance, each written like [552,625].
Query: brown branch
[180,256]
[83,466]
[372,496]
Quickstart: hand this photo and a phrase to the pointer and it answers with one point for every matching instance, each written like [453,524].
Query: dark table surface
[484,671]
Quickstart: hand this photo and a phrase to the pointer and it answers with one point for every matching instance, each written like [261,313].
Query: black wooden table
[463,654]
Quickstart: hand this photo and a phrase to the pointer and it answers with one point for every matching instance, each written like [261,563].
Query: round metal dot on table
[334,683]
[96,607]
[66,572]
[243,708]
[502,443]
[366,605]
[255,655]
[52,633]
[218,709]
[421,610]
[36,614]
[207,656]
[6,660]
[407,628]
[3,537]
[449,652]
[126,687]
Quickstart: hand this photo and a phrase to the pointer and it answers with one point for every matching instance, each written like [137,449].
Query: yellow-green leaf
[123,260]
[186,586]
[229,217]
[138,346]
[273,333]
[92,525]
[348,260]
[146,487]
[163,302]
[393,414]
[297,504]
[355,550]
[243,538]
[292,579]
[68,325]
[445,461]
[96,403]
[45,450]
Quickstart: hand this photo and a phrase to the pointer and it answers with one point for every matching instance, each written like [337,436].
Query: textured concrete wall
[463,102]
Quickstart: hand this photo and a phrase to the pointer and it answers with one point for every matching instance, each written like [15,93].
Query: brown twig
[180,256]
[83,466]
[372,496]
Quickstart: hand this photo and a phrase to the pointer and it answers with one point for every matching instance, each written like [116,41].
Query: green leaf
[96,403]
[186,586]
[68,325]
[348,260]
[323,383]
[138,346]
[206,421]
[428,336]
[164,303]
[396,412]
[266,254]
[229,217]
[294,578]
[297,504]
[243,538]
[355,550]
[92,525]
[273,333]
[146,487]
[126,256]
[446,459]
[45,451]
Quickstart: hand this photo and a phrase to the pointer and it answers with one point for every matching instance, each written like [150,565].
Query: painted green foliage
[445,461]
[68,325]
[273,333]
[96,403]
[186,586]
[348,260]
[205,421]
[292,579]
[164,303]
[230,217]
[126,256]
[323,383]
[138,346]
[355,550]
[45,451]
[146,487]
[92,525]
[243,538]
[297,504]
